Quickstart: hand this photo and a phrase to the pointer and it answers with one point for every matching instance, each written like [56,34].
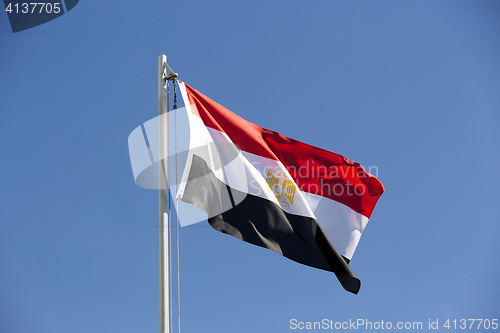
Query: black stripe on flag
[263,223]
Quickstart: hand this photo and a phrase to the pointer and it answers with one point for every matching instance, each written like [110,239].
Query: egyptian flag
[306,203]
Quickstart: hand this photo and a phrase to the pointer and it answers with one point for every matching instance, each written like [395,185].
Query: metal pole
[163,198]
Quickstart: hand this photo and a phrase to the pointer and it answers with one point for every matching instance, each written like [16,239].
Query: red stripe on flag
[313,169]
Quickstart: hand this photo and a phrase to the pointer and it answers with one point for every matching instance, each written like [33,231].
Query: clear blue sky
[411,87]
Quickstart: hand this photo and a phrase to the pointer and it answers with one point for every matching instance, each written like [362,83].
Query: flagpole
[164,226]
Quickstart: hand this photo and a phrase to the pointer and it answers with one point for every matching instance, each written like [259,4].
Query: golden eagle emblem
[282,186]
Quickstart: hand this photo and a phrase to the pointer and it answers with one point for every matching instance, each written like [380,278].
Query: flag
[306,203]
